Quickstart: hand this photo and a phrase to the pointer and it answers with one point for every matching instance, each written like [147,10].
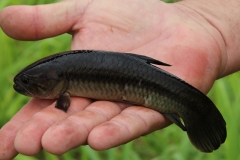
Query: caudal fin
[208,133]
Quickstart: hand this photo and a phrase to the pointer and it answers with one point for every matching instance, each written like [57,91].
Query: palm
[152,28]
[163,32]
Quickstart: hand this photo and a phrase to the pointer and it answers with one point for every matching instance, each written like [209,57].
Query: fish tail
[209,132]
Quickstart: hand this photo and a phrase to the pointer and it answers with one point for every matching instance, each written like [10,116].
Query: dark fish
[125,77]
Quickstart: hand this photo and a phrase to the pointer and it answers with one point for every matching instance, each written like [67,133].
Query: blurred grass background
[168,144]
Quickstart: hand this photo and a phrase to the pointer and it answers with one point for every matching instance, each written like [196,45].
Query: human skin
[199,41]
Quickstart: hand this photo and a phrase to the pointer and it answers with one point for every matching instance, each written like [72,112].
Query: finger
[74,131]
[28,139]
[9,131]
[41,21]
[7,136]
[130,124]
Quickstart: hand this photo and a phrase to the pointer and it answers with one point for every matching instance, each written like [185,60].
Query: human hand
[171,33]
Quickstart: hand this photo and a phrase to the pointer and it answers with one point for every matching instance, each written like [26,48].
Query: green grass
[168,144]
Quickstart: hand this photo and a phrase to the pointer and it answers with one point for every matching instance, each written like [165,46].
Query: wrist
[221,20]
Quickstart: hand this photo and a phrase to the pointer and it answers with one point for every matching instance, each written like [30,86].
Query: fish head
[42,81]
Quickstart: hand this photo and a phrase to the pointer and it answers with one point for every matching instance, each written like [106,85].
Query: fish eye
[25,79]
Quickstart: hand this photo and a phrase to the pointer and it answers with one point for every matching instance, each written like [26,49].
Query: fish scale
[126,77]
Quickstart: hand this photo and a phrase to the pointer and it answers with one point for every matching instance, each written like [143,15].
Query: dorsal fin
[148,60]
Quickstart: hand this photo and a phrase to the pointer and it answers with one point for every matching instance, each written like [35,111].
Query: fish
[125,77]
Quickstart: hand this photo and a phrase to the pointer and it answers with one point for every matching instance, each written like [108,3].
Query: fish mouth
[18,87]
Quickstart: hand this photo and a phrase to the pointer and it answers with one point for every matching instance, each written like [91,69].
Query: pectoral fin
[175,119]
[63,102]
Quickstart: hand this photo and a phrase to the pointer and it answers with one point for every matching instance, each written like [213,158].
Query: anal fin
[131,103]
[175,119]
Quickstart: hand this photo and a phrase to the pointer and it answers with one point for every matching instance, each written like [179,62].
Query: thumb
[40,21]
